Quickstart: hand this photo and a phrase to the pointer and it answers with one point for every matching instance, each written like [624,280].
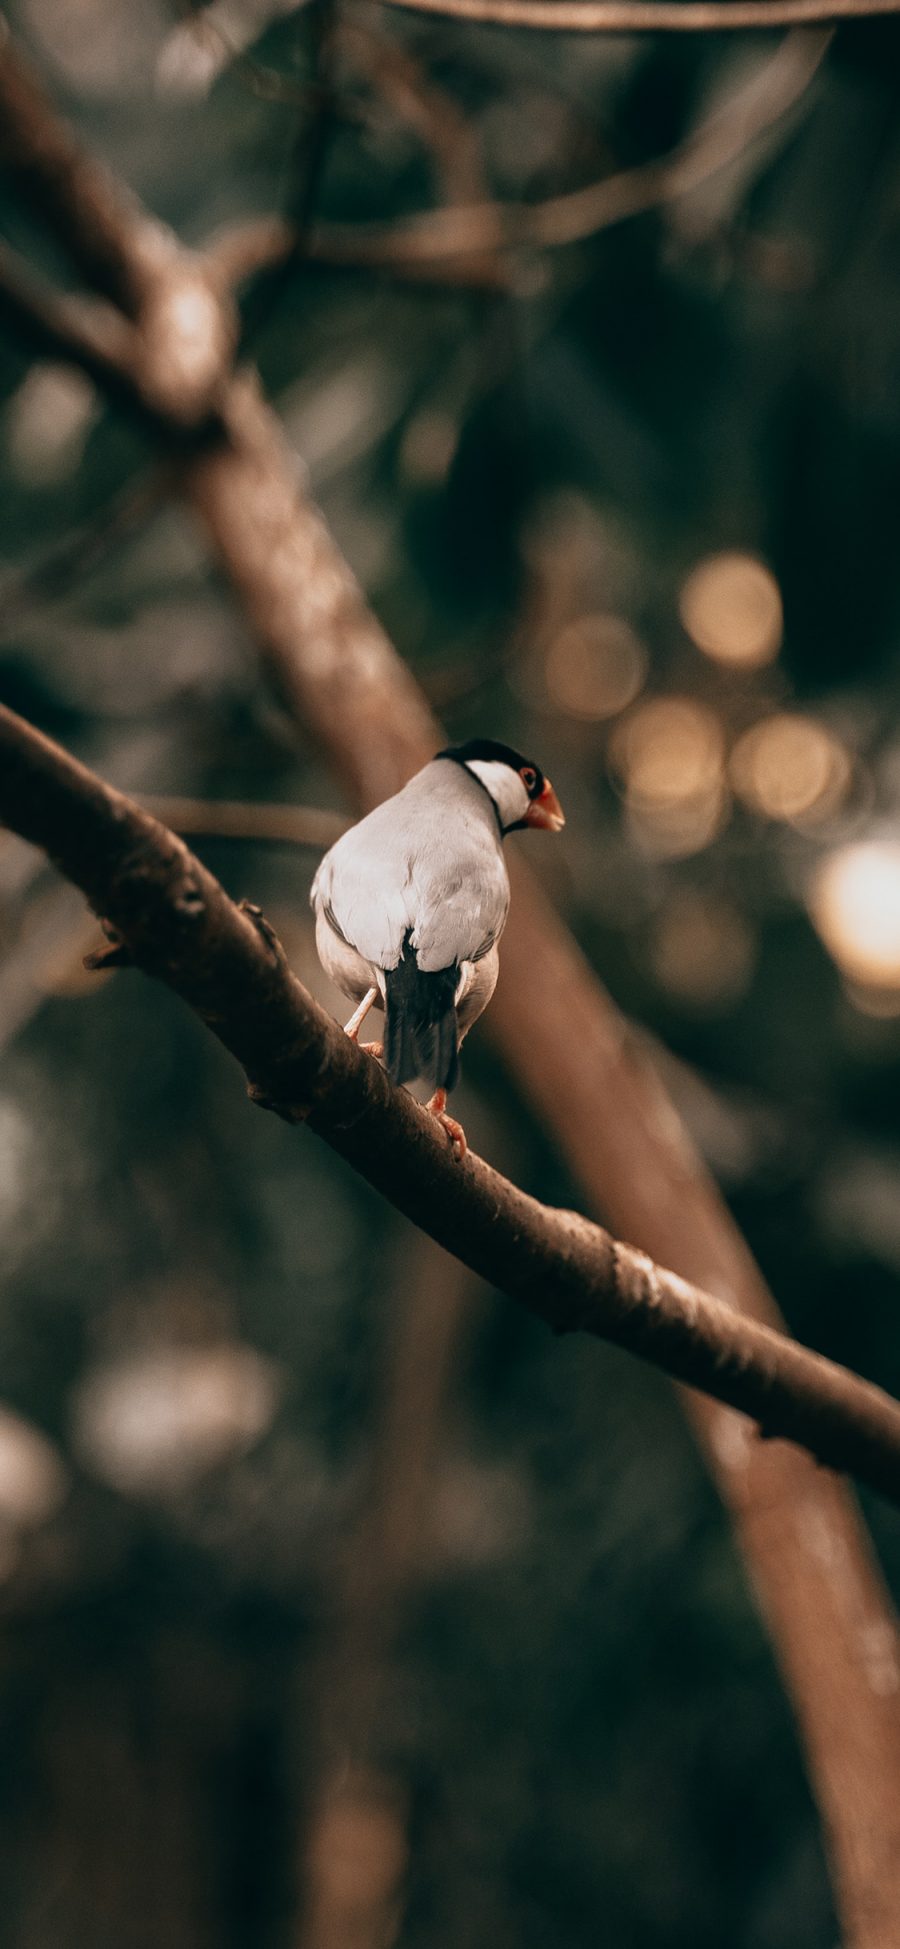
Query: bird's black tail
[421,1037]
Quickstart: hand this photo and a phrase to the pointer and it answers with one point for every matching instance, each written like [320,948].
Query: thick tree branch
[178,923]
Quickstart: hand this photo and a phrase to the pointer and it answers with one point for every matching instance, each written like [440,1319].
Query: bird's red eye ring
[528,777]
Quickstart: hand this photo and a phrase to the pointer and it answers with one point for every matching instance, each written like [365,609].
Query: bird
[410,904]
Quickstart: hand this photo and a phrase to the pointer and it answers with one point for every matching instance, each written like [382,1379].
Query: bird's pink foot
[375,1049]
[352,1028]
[437,1104]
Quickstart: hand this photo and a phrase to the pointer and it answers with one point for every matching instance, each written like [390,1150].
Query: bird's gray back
[427,862]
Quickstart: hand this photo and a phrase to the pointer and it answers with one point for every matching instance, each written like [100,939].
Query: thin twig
[51,576]
[433,237]
[290,825]
[82,331]
[404,83]
[240,250]
[243,250]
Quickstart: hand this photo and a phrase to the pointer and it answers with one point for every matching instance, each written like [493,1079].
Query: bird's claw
[113,953]
[455,1133]
[375,1049]
[437,1107]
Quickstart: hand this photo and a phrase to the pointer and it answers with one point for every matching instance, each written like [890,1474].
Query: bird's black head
[521,795]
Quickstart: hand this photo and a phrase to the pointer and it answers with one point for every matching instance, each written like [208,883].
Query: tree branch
[650,16]
[177,923]
[355,1690]
[170,293]
[83,332]
[809,1561]
[289,825]
[89,213]
[242,249]
[489,231]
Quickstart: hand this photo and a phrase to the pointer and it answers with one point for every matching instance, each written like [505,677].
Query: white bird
[410,905]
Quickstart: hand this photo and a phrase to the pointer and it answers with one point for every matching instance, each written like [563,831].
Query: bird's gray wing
[459,878]
[360,887]
[460,918]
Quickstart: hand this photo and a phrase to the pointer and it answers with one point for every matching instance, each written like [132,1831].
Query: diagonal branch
[87,210]
[87,333]
[177,922]
[185,328]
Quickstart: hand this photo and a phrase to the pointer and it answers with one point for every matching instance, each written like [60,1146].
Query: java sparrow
[410,905]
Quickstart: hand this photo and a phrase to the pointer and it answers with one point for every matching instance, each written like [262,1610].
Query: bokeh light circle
[595,667]
[855,906]
[791,768]
[730,606]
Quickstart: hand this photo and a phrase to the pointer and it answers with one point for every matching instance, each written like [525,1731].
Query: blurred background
[340,1605]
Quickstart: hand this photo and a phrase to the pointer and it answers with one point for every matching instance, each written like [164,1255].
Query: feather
[421,1037]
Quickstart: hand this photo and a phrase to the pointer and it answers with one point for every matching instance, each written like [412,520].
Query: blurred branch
[432,113]
[81,331]
[290,825]
[309,154]
[52,575]
[494,228]
[416,98]
[807,1553]
[352,1895]
[89,213]
[175,921]
[185,331]
[440,123]
[650,16]
[242,249]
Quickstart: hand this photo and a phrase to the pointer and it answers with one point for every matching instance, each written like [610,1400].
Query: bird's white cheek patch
[505,787]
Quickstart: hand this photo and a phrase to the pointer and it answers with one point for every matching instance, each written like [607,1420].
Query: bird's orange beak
[546,810]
